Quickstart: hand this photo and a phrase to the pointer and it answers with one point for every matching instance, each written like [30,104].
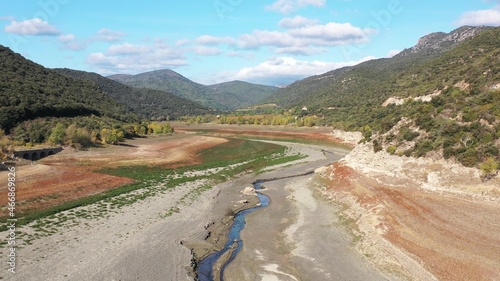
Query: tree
[58,134]
[5,145]
[78,137]
[112,136]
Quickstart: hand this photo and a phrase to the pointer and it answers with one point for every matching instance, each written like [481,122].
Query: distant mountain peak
[438,42]
[224,96]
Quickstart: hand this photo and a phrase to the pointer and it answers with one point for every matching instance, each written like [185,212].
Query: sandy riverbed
[298,236]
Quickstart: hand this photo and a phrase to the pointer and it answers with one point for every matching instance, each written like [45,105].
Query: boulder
[249,190]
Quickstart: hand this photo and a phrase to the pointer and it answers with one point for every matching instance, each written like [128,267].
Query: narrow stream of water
[205,266]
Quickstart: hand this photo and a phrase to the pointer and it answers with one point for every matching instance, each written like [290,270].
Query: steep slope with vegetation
[148,103]
[442,95]
[41,106]
[28,91]
[248,94]
[226,96]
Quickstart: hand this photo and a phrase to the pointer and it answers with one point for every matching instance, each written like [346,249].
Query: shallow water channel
[205,266]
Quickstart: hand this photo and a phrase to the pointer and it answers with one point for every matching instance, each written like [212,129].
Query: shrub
[489,166]
[391,149]
[407,134]
[423,147]
[376,146]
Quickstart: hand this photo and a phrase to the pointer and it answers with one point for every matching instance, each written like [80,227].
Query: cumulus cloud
[69,41]
[132,58]
[205,51]
[299,36]
[128,49]
[284,70]
[298,21]
[213,40]
[107,35]
[481,17]
[337,33]
[306,51]
[315,35]
[34,27]
[288,6]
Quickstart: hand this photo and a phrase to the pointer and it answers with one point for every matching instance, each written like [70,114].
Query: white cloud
[298,21]
[69,41]
[128,49]
[213,40]
[318,35]
[131,58]
[206,51]
[338,33]
[65,38]
[288,6]
[283,70]
[307,50]
[34,26]
[107,35]
[302,36]
[261,38]
[481,17]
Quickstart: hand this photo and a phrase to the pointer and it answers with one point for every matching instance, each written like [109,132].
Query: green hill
[248,94]
[225,96]
[29,90]
[144,102]
[443,95]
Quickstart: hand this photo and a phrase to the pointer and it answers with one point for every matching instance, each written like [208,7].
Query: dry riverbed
[149,241]
[368,217]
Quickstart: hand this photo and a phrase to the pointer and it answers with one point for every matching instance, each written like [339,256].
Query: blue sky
[211,41]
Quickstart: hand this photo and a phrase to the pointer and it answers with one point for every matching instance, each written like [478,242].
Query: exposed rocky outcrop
[439,42]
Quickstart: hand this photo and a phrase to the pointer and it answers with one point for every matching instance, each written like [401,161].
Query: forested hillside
[225,96]
[248,94]
[443,95]
[147,103]
[29,90]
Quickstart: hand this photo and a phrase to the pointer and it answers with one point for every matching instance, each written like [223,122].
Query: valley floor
[367,217]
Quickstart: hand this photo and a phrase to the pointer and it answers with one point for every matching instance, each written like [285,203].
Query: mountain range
[146,103]
[441,95]
[225,96]
[29,90]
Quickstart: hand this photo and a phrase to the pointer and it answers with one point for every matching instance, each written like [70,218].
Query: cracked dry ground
[454,237]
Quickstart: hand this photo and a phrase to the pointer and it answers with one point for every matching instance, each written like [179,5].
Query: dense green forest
[41,106]
[225,96]
[459,118]
[28,91]
[146,103]
[246,94]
